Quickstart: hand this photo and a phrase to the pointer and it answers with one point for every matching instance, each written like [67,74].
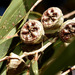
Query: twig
[8,37]
[30,53]
[69,14]
[39,50]
[36,56]
[35,5]
[8,57]
[66,72]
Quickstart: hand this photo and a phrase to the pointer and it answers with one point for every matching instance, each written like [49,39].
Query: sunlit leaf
[34,67]
[4,47]
[14,14]
[9,35]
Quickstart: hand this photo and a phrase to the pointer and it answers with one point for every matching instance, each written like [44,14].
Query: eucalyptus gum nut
[52,19]
[67,31]
[32,32]
[15,66]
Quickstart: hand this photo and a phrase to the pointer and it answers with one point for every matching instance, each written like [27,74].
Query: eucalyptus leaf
[4,47]
[13,15]
[4,71]
[34,67]
[9,35]
[66,58]
[5,44]
[34,15]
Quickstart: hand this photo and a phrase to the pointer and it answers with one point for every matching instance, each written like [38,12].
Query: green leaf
[13,15]
[64,59]
[29,4]
[18,50]
[47,54]
[34,15]
[4,47]
[5,44]
[9,35]
[3,71]
[34,67]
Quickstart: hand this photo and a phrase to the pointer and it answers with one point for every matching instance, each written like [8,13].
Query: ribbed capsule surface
[32,32]
[67,31]
[51,19]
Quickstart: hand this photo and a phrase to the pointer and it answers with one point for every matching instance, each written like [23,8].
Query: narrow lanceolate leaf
[4,47]
[30,15]
[14,13]
[34,67]
[12,16]
[34,15]
[5,44]
[50,55]
[65,59]
[3,71]
[11,34]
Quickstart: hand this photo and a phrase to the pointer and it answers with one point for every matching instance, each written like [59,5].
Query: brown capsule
[32,32]
[51,19]
[15,66]
[67,31]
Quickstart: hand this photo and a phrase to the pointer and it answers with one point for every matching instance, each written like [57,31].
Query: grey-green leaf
[35,15]
[13,15]
[9,35]
[4,47]
[34,67]
[65,58]
[3,71]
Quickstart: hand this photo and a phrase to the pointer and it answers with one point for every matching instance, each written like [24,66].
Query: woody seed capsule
[51,19]
[67,31]
[32,32]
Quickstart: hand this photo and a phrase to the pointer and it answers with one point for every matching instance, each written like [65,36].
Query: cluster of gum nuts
[52,20]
